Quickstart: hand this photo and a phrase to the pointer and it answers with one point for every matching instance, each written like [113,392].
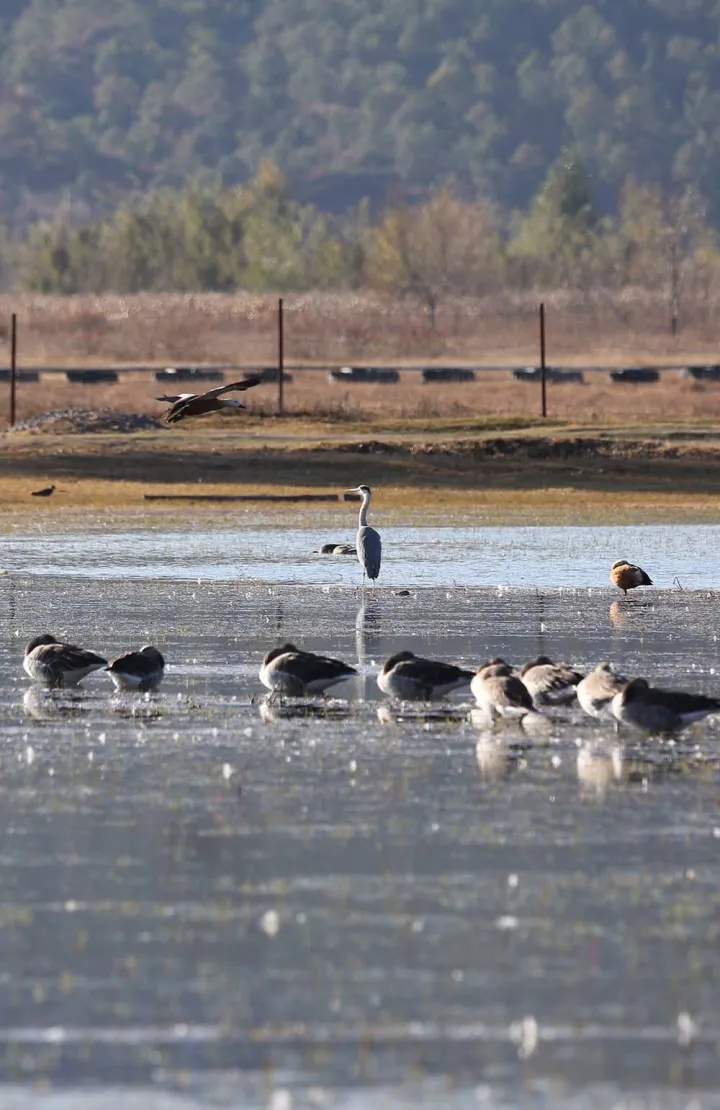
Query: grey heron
[137,670]
[499,692]
[660,711]
[57,664]
[288,670]
[368,542]
[597,690]
[197,404]
[550,683]
[409,677]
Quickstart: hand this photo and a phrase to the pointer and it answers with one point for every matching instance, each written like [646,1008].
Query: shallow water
[425,555]
[206,903]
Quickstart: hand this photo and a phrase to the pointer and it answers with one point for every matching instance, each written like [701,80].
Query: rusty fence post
[281,358]
[13,366]
[543,367]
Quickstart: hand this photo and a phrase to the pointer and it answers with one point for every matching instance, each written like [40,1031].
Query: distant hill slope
[352,97]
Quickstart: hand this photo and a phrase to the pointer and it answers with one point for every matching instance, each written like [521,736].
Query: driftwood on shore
[241,497]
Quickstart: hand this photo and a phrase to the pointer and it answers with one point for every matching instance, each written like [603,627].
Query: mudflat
[663,471]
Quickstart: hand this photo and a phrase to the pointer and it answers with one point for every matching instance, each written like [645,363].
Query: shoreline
[551,474]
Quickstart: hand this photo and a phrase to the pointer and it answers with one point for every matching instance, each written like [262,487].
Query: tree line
[257,237]
[102,101]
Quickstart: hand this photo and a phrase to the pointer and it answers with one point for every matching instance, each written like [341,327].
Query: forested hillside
[101,99]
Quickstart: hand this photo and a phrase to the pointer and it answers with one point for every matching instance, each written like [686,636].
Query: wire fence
[353,358]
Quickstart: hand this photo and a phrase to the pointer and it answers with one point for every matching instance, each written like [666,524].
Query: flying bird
[53,663]
[45,492]
[197,404]
[296,673]
[626,576]
[137,670]
[367,542]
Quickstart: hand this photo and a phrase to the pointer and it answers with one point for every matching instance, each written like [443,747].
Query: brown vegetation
[495,393]
[336,329]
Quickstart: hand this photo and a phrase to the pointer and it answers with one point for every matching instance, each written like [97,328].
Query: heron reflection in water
[367,635]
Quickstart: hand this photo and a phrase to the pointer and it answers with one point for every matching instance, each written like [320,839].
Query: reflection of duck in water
[394,713]
[659,711]
[289,670]
[624,611]
[599,765]
[271,712]
[597,690]
[626,576]
[44,705]
[337,549]
[499,692]
[410,678]
[492,753]
[550,683]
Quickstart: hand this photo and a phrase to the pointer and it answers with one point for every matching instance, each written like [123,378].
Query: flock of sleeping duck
[499,689]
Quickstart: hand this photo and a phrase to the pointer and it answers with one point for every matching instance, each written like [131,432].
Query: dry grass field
[645,450]
[339,329]
[494,394]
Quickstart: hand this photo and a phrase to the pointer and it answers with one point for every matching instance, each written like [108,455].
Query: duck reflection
[297,709]
[43,704]
[139,708]
[537,725]
[393,713]
[627,612]
[600,765]
[496,755]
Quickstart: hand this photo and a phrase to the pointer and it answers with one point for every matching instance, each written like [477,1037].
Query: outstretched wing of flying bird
[240,387]
[200,403]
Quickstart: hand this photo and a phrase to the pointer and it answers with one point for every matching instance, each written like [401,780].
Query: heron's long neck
[362,522]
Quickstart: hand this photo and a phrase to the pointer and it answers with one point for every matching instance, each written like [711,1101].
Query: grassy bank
[497,468]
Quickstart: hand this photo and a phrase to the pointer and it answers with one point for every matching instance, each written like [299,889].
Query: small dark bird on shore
[197,404]
[43,492]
